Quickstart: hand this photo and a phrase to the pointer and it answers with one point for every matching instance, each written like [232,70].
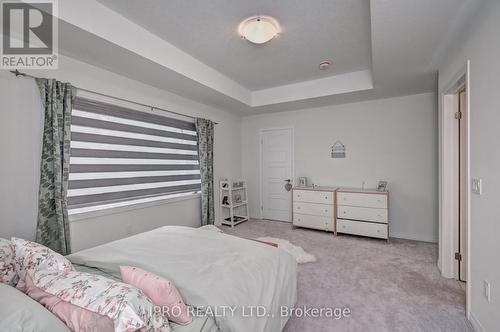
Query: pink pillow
[76,318]
[161,292]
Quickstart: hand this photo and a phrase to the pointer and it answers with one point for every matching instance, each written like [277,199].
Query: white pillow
[19,313]
[8,273]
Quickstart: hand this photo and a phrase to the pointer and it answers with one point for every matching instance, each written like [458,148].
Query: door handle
[288,185]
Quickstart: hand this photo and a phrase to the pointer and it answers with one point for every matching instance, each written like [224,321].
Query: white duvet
[233,278]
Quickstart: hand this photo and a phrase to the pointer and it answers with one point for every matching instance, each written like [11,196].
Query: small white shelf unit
[233,202]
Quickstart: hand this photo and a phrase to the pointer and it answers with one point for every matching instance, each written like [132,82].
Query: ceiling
[379,48]
[312,31]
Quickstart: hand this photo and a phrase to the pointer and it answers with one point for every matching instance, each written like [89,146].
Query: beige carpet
[387,287]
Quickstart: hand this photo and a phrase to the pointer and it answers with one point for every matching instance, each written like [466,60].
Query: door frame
[261,133]
[448,206]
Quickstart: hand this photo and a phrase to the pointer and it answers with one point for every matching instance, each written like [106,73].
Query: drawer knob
[345,212]
[326,210]
[298,207]
[343,226]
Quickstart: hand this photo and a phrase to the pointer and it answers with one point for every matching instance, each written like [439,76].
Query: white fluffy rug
[211,228]
[297,252]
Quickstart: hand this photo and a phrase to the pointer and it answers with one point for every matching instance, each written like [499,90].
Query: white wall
[390,139]
[21,124]
[20,147]
[480,43]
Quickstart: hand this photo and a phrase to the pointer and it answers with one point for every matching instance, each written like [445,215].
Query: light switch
[477,186]
[487,290]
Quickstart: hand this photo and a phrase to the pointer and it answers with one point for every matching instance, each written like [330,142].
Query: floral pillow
[126,305]
[31,257]
[8,273]
[76,319]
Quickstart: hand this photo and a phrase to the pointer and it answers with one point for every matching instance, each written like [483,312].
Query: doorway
[462,189]
[276,172]
[454,183]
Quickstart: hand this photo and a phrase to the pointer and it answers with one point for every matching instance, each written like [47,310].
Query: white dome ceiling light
[259,29]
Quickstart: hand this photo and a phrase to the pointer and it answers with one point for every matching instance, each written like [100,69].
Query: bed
[213,271]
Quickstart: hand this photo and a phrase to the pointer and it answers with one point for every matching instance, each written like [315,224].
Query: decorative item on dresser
[303,182]
[314,207]
[233,202]
[363,212]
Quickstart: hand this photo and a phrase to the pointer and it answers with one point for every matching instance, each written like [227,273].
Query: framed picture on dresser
[382,186]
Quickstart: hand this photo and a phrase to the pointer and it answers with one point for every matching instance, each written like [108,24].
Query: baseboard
[396,235]
[476,324]
[412,237]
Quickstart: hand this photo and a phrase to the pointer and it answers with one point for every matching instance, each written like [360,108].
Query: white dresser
[363,212]
[314,207]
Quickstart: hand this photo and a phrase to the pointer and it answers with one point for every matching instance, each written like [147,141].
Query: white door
[463,186]
[276,158]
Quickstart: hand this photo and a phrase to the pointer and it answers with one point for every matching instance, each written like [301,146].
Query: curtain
[52,223]
[205,131]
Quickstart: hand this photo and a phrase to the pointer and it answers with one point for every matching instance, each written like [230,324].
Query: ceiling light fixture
[259,29]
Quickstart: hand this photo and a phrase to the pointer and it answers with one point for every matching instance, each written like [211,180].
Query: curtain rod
[18,73]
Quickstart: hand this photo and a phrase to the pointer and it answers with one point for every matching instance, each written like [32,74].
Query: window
[121,156]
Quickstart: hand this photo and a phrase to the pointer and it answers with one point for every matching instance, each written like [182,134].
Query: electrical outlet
[477,186]
[487,290]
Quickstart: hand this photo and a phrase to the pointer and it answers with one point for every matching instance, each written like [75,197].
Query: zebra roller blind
[123,155]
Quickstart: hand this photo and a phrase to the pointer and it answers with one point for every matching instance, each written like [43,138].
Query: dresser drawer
[330,225]
[316,222]
[314,209]
[362,228]
[363,200]
[361,213]
[321,197]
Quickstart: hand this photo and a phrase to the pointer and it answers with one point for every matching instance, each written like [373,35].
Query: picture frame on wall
[303,182]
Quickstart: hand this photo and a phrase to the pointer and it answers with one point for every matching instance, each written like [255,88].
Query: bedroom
[170,99]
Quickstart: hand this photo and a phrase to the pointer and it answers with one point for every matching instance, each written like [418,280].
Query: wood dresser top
[343,190]
[362,191]
[316,188]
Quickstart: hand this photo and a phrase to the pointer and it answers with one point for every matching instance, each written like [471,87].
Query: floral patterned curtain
[205,131]
[53,224]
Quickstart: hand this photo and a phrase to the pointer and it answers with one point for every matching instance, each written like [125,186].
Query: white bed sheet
[212,271]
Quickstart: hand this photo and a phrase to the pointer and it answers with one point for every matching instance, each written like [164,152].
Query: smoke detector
[325,64]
